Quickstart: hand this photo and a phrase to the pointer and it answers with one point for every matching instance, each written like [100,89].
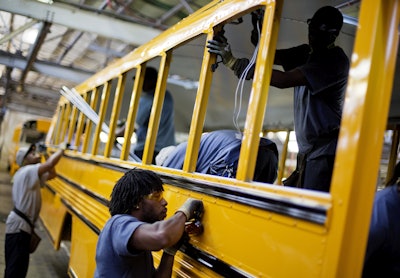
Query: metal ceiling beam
[50,69]
[21,29]
[33,52]
[85,21]
[34,98]
[31,109]
[41,92]
[106,51]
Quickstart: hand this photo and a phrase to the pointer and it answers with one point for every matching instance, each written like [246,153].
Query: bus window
[122,119]
[109,103]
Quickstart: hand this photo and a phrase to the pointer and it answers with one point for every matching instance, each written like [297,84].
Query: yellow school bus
[251,229]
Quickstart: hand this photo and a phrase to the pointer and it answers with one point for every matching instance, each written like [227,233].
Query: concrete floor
[45,262]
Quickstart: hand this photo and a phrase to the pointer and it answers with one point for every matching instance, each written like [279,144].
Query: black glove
[174,248]
[240,66]
[219,45]
[192,208]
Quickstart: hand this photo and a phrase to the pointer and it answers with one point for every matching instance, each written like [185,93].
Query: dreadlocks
[131,188]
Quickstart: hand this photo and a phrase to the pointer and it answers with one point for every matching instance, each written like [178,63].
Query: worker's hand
[192,208]
[219,45]
[174,248]
[240,66]
[64,146]
[194,228]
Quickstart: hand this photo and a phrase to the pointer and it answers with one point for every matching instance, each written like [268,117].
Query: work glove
[192,208]
[64,146]
[174,248]
[219,45]
[240,66]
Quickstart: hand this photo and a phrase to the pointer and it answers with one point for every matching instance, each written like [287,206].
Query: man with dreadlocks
[137,227]
[318,72]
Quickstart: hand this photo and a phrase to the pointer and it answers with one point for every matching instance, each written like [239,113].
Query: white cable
[241,81]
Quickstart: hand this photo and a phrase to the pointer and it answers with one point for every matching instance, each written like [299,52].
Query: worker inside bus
[219,154]
[318,72]
[166,130]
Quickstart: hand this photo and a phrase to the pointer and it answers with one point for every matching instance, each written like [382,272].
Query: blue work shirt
[318,106]
[166,129]
[382,258]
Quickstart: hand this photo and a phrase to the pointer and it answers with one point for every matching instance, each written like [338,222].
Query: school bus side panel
[53,214]
[253,240]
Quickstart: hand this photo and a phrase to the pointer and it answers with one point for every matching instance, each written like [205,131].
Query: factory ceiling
[45,45]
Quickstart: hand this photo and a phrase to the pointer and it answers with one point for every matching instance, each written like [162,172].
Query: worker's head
[141,191]
[27,155]
[150,79]
[324,27]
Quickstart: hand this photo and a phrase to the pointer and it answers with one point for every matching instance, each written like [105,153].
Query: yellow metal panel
[237,234]
[71,127]
[61,116]
[102,114]
[43,125]
[53,214]
[361,136]
[244,237]
[64,126]
[156,109]
[88,129]
[133,107]
[83,242]
[119,93]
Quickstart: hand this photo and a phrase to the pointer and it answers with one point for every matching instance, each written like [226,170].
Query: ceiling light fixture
[46,1]
[30,35]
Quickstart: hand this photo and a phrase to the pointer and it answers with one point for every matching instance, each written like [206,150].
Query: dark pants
[17,254]
[318,173]
[139,153]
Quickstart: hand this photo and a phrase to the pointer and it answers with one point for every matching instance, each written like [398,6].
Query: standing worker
[27,200]
[318,72]
[166,129]
[136,228]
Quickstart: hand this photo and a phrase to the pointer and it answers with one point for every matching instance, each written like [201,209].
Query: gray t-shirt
[114,258]
[26,197]
[318,107]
